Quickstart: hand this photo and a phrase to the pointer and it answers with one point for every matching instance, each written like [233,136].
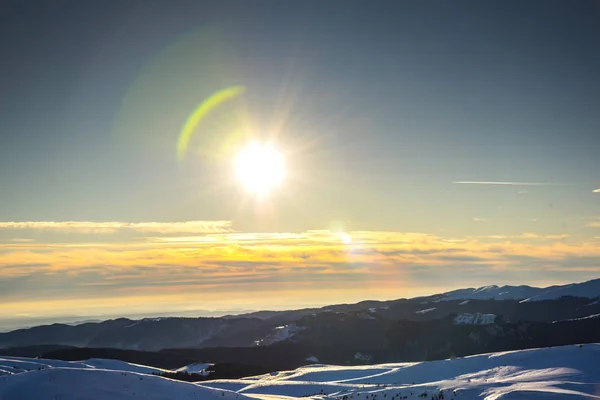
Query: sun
[260,168]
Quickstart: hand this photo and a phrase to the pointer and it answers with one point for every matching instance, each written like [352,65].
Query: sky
[428,146]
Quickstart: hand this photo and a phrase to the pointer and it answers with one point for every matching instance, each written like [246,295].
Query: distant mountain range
[10,324]
[456,323]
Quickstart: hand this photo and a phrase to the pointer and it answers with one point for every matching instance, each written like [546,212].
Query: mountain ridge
[587,289]
[508,303]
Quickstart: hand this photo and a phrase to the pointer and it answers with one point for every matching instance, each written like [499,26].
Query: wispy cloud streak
[507,183]
[92,227]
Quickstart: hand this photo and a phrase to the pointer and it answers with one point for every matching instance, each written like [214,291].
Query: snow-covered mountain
[565,372]
[589,289]
[313,326]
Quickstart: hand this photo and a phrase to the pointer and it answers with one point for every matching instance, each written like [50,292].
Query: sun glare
[260,168]
[346,239]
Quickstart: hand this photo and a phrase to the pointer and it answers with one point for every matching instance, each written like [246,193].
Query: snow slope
[23,364]
[196,368]
[99,384]
[117,365]
[279,334]
[560,373]
[94,379]
[567,372]
[589,289]
[474,319]
[425,311]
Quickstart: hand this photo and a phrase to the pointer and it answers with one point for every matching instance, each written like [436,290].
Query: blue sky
[380,107]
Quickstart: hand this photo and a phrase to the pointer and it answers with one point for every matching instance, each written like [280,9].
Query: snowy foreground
[557,373]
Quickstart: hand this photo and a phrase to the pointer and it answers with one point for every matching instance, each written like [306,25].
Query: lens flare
[202,111]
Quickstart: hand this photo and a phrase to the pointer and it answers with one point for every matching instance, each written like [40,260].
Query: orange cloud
[376,264]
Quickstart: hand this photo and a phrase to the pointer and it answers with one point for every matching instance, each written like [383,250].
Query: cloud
[226,253]
[507,183]
[476,219]
[262,267]
[596,191]
[523,236]
[529,235]
[90,227]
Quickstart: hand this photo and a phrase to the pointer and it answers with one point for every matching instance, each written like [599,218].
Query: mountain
[491,292]
[567,372]
[145,334]
[350,339]
[346,323]
[589,289]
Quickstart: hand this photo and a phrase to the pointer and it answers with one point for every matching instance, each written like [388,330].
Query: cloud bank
[228,268]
